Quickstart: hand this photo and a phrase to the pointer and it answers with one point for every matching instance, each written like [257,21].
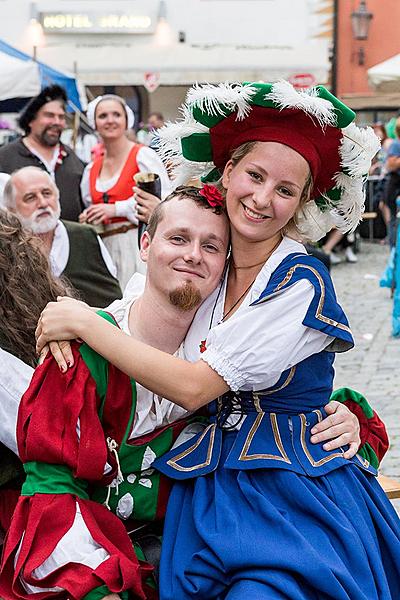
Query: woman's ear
[227,174]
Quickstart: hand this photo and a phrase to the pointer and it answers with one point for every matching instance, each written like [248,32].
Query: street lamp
[360,21]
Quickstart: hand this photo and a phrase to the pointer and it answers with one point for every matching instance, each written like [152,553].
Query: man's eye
[177,239]
[210,248]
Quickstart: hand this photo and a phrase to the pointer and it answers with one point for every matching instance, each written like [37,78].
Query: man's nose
[42,201]
[193,253]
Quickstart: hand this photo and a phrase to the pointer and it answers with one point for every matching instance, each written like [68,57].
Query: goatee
[187,297]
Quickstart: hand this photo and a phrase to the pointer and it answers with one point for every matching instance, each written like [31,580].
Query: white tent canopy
[18,78]
[385,76]
[183,64]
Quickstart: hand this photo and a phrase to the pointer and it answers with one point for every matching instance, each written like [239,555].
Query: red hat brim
[291,127]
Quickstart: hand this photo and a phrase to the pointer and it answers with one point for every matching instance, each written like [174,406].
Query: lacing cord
[229,404]
[112,447]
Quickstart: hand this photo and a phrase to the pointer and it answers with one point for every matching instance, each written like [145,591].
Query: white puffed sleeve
[253,348]
[85,186]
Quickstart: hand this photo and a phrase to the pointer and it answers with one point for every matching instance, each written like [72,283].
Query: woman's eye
[255,175]
[285,191]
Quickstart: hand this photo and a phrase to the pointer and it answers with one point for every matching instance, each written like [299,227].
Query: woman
[108,187]
[258,509]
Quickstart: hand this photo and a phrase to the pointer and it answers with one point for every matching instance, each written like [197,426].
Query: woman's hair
[290,228]
[26,286]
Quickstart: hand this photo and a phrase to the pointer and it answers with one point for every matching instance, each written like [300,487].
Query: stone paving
[373,366]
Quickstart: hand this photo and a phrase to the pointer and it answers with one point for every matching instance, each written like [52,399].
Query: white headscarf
[91,110]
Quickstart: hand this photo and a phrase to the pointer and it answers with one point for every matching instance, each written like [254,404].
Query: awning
[21,77]
[183,64]
[385,76]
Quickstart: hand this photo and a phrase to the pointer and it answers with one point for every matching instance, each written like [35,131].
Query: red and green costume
[67,427]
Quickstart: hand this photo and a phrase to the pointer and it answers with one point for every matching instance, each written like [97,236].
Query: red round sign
[302,80]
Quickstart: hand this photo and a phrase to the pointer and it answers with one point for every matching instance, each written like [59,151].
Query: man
[43,121]
[185,250]
[74,250]
[148,134]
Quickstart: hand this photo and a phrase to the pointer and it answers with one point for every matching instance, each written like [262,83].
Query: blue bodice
[275,423]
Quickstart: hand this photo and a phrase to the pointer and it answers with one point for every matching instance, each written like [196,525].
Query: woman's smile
[252,215]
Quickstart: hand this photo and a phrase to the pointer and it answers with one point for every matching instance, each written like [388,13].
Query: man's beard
[187,297]
[45,224]
[50,140]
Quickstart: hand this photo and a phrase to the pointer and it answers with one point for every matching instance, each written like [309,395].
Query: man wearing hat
[43,121]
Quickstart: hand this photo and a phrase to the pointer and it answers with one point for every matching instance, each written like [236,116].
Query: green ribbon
[44,478]
[101,591]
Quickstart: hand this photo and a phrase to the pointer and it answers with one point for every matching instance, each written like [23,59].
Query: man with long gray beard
[74,250]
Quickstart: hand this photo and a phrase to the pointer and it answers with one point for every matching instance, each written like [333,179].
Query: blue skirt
[275,534]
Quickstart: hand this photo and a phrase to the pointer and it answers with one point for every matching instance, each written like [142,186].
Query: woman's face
[110,119]
[263,190]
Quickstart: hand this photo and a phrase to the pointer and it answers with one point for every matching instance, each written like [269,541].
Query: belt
[122,229]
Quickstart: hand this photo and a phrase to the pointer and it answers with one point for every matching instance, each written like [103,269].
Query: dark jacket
[68,174]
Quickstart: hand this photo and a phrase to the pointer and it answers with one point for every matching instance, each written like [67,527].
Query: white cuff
[220,363]
[127,209]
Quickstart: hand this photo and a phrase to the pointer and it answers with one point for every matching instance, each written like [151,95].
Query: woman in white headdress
[107,184]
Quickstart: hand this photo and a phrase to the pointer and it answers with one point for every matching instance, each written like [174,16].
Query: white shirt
[59,253]
[252,348]
[148,161]
[15,377]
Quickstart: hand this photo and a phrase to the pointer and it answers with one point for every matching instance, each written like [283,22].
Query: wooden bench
[390,486]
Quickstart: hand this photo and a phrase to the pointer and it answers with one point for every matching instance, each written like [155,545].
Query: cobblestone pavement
[373,366]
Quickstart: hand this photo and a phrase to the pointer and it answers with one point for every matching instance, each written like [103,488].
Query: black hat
[48,94]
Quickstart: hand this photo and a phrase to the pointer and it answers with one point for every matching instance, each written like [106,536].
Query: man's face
[187,253]
[154,122]
[36,201]
[48,124]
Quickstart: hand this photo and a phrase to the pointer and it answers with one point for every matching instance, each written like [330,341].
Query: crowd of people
[168,424]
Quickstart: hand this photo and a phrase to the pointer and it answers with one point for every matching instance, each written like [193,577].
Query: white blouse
[252,348]
[147,161]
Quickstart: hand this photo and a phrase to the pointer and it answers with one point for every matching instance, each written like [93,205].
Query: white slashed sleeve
[15,377]
[253,348]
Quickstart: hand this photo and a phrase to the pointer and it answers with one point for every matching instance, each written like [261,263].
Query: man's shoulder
[12,148]
[70,155]
[82,229]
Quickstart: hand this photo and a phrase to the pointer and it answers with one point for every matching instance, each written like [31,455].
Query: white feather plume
[312,223]
[233,96]
[348,211]
[284,95]
[358,148]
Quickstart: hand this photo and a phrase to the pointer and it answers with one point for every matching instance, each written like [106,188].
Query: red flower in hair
[212,195]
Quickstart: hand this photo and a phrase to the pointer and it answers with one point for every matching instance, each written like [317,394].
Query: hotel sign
[56,22]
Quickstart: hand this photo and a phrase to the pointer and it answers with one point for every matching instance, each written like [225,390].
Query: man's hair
[9,189]
[158,115]
[183,192]
[26,286]
[48,94]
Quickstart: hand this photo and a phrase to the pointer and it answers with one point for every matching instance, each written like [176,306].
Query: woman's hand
[341,427]
[145,204]
[61,321]
[99,213]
